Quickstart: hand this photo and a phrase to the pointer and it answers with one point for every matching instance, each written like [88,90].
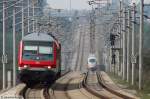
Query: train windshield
[92,60]
[38,51]
[45,50]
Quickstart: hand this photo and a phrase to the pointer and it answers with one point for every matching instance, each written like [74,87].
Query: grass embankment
[143,94]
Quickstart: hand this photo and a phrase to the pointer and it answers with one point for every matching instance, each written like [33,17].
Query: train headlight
[25,66]
[19,68]
[49,67]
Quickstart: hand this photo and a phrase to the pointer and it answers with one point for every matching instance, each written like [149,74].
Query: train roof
[39,37]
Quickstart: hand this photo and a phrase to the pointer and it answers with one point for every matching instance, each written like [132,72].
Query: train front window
[38,51]
[30,52]
[92,60]
[46,52]
[31,49]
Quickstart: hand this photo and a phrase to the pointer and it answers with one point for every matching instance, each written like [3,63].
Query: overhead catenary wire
[11,5]
[25,12]
[16,13]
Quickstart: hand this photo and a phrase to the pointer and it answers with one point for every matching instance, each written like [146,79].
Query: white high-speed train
[92,62]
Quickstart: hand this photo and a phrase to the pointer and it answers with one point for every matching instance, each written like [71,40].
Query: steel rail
[112,90]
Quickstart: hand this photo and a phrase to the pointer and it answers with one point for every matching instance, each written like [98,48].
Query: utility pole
[119,64]
[128,44]
[124,42]
[120,30]
[33,11]
[141,44]
[22,11]
[14,46]
[133,43]
[36,24]
[28,16]
[4,57]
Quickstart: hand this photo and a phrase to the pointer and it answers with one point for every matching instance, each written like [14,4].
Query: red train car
[39,58]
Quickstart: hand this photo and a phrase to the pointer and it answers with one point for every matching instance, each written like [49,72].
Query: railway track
[70,87]
[78,52]
[95,84]
[82,52]
[37,92]
[92,85]
[111,87]
[82,86]
[63,85]
[74,85]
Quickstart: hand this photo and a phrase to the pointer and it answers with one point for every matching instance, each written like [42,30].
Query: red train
[39,58]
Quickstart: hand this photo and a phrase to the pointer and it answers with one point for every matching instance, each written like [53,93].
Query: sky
[65,4]
[77,4]
[145,1]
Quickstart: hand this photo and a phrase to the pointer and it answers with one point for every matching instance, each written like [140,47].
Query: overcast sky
[145,1]
[76,4]
[65,4]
